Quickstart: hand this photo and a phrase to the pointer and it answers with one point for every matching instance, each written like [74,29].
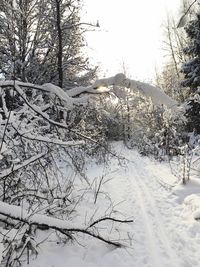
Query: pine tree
[191,71]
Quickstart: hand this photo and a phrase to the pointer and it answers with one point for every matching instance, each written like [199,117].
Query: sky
[130,36]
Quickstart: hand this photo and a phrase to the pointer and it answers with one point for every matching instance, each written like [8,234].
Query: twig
[109,219]
[98,189]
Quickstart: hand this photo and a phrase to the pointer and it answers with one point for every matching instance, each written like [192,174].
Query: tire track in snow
[160,249]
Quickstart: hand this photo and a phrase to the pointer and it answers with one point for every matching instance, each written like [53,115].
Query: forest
[62,126]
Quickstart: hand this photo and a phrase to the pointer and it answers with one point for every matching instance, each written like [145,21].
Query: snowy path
[163,236]
[157,243]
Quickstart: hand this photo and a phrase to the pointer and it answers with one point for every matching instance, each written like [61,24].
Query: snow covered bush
[132,117]
[163,135]
[186,164]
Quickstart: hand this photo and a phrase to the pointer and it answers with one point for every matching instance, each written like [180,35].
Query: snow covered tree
[191,71]
[66,31]
[191,68]
[44,40]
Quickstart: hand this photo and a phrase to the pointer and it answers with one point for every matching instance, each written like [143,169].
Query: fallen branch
[44,222]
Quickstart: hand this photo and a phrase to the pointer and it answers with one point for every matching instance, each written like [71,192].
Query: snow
[165,232]
[197,214]
[15,167]
[3,150]
[182,191]
[51,140]
[157,96]
[17,212]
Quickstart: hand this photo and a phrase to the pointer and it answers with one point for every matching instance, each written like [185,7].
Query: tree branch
[17,167]
[109,219]
[44,222]
[48,140]
[182,22]
[100,86]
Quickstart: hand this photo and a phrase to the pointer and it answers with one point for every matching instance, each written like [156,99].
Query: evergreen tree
[191,71]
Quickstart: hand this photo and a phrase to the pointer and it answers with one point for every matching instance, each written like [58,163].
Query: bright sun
[130,34]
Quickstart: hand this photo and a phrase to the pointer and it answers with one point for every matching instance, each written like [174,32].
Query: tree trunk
[60,48]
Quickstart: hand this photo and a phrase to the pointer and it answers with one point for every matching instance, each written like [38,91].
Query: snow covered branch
[157,96]
[44,222]
[17,167]
[46,117]
[48,87]
[98,87]
[47,140]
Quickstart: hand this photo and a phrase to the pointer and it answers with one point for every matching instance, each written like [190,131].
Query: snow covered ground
[164,233]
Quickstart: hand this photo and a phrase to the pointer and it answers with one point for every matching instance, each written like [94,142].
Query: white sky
[130,32]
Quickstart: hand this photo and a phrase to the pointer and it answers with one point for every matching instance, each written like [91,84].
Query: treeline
[181,75]
[41,42]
